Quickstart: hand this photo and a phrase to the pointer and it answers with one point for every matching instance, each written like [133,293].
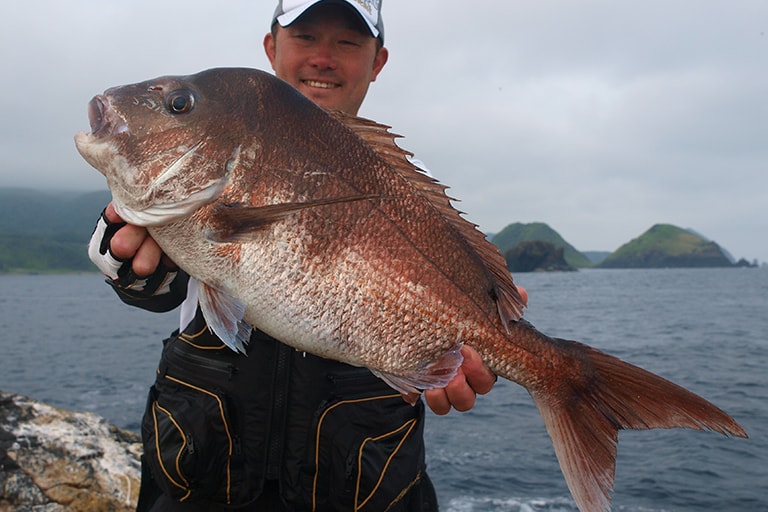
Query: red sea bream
[315,227]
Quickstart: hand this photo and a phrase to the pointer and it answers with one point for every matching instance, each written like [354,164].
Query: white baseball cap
[369,11]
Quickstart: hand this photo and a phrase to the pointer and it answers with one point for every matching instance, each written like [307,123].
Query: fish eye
[180,102]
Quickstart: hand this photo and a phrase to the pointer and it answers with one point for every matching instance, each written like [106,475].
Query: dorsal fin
[378,136]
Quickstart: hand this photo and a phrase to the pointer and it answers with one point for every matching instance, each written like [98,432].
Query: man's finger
[523,294]
[127,240]
[111,214]
[478,376]
[437,400]
[147,257]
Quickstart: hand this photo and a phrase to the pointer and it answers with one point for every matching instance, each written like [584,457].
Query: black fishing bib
[218,425]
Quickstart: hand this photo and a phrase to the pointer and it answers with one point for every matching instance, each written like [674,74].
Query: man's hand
[130,258]
[473,378]
[134,242]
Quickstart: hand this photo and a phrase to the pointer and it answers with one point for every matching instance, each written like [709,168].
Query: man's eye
[180,102]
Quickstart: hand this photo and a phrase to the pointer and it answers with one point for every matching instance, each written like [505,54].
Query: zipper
[357,382]
[182,356]
[238,445]
[280,389]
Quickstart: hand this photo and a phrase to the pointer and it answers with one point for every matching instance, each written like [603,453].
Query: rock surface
[52,460]
[536,256]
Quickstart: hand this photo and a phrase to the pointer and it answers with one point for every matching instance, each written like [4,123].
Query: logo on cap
[370,6]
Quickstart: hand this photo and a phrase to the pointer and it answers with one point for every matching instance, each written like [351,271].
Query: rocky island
[667,246]
[511,237]
[536,256]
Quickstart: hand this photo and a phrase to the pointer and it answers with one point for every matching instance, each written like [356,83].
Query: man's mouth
[320,85]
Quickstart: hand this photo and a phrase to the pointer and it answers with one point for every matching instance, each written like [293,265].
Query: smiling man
[328,55]
[279,430]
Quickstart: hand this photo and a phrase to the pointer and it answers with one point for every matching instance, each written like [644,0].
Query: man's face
[328,56]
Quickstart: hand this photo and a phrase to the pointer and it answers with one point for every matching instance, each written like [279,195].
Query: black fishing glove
[119,271]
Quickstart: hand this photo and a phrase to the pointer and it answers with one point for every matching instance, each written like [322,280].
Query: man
[276,429]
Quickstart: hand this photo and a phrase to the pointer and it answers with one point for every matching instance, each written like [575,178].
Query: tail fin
[583,417]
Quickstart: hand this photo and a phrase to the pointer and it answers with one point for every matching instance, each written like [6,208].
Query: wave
[512,504]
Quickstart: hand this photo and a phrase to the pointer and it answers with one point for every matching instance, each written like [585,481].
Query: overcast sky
[600,118]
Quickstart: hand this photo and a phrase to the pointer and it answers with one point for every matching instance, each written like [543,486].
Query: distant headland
[49,232]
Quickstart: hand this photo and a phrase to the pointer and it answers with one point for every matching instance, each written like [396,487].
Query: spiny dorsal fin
[378,136]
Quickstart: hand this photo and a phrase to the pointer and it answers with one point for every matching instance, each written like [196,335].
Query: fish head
[166,146]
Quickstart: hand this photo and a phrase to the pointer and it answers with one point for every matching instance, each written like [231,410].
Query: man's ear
[269,48]
[378,62]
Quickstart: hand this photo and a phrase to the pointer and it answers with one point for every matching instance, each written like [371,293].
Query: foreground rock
[53,460]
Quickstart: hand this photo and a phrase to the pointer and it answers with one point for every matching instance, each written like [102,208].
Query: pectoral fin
[224,316]
[239,223]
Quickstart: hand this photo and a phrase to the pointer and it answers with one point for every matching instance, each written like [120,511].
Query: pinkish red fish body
[314,227]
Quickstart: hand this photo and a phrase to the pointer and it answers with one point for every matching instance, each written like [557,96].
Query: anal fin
[434,375]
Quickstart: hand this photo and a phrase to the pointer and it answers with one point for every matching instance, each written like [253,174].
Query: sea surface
[67,340]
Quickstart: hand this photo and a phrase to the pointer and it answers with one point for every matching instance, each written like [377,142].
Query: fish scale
[315,228]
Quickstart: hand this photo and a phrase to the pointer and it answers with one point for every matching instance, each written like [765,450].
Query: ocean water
[67,340]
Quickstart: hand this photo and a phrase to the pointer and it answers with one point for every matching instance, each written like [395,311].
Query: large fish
[315,227]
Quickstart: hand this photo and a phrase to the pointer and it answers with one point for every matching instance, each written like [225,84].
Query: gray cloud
[599,118]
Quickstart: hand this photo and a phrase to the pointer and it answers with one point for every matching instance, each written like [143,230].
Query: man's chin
[328,103]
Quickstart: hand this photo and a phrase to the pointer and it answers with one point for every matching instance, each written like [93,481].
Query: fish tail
[599,396]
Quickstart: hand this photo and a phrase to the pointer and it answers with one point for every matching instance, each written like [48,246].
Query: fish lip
[96,108]
[102,119]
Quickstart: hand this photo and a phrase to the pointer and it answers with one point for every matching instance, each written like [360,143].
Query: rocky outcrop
[52,460]
[515,234]
[536,256]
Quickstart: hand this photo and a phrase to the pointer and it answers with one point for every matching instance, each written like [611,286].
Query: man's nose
[323,57]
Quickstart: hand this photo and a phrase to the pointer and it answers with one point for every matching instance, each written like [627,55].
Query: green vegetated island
[537,247]
[49,232]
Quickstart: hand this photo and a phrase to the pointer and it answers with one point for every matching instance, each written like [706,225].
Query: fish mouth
[102,119]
